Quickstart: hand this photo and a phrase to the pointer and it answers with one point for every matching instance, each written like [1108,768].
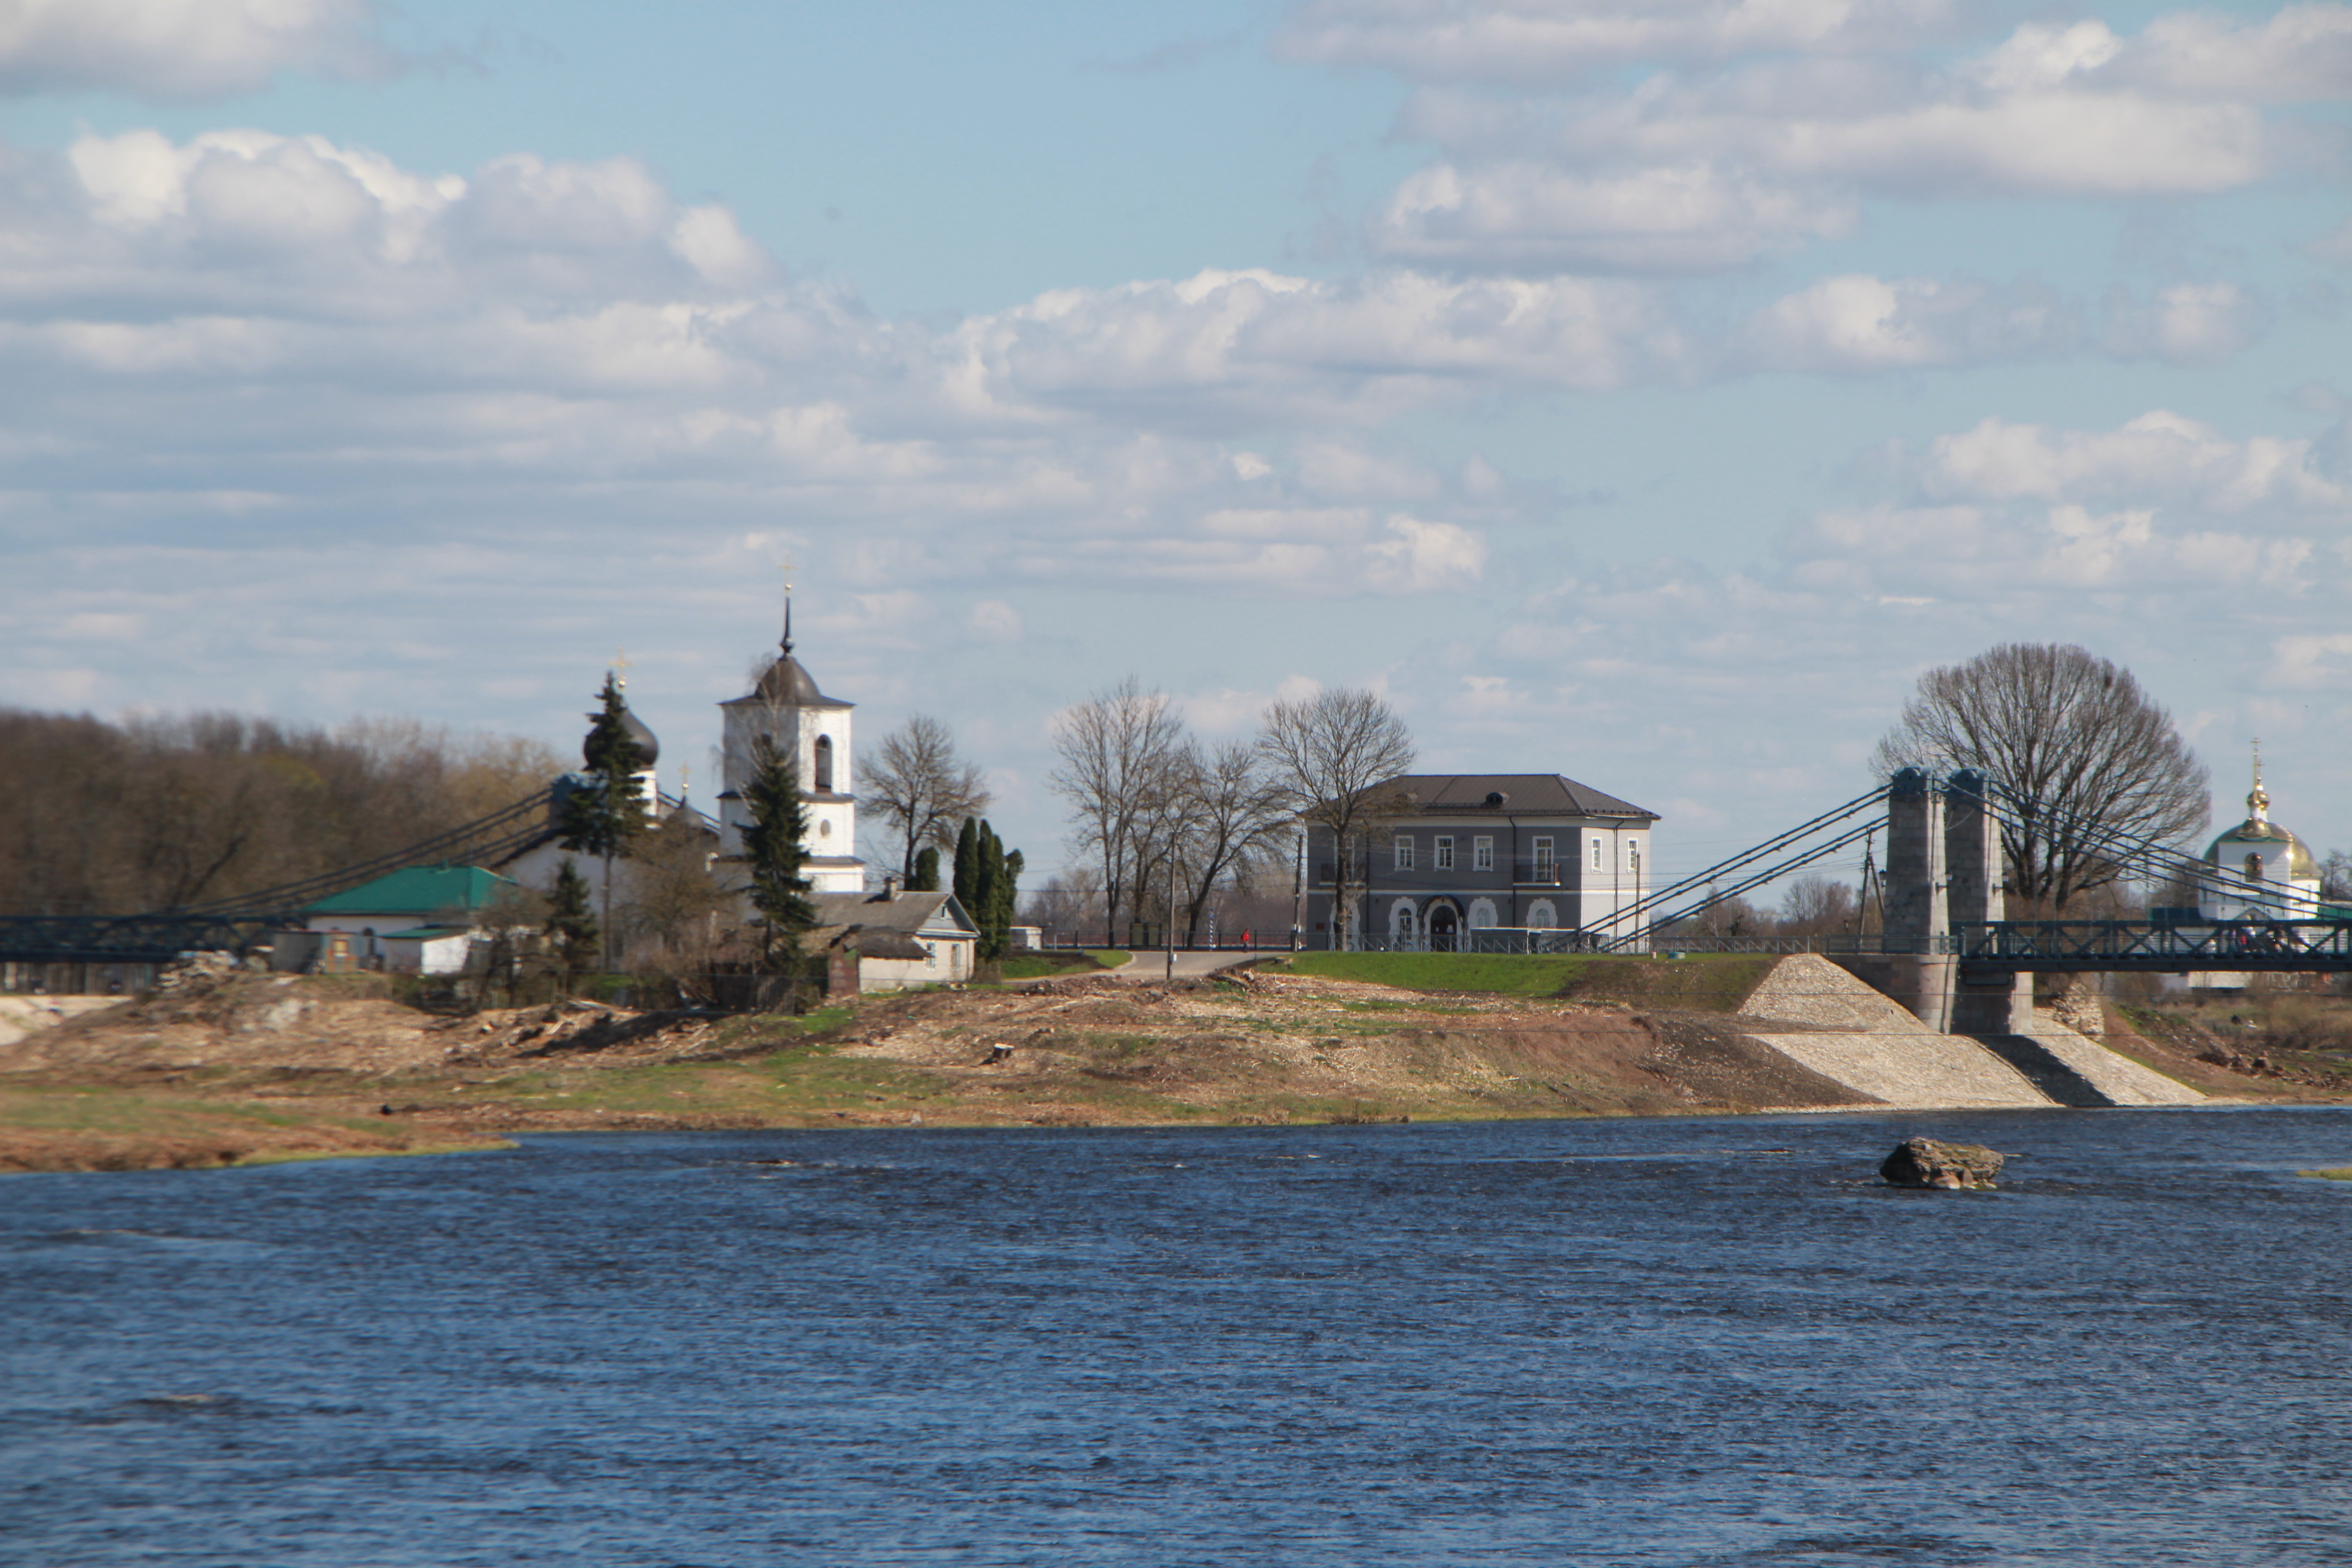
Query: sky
[1647,391]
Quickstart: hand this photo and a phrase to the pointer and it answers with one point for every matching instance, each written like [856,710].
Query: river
[1710,1341]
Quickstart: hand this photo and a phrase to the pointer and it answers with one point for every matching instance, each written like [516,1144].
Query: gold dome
[2258,835]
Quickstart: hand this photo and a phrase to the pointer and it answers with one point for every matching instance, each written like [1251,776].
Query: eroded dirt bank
[230,1069]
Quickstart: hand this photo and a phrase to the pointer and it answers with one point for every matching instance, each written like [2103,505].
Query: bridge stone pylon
[1944,869]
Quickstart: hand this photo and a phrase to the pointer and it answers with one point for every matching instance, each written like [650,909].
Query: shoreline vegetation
[252,1068]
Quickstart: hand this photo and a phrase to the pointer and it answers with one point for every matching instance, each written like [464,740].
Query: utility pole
[1299,895]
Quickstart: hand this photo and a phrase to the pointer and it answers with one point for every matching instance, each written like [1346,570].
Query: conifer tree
[571,926]
[926,876]
[602,817]
[986,885]
[987,867]
[773,851]
[967,864]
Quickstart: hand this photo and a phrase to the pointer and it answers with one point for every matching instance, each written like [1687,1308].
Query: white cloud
[2159,456]
[1531,217]
[1422,556]
[997,621]
[182,51]
[1860,322]
[1720,133]
[2187,323]
[1524,41]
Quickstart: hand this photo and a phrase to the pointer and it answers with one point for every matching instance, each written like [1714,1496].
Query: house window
[1441,856]
[1596,854]
[1404,851]
[1543,859]
[1634,859]
[930,955]
[1482,854]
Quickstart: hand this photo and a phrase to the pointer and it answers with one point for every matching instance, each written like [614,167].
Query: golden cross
[621,668]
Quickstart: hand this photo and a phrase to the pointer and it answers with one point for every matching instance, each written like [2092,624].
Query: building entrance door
[1443,928]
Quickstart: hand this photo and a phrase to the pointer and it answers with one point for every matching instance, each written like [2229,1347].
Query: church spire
[2258,802]
[787,644]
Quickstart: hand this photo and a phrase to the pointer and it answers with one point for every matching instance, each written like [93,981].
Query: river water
[1714,1342]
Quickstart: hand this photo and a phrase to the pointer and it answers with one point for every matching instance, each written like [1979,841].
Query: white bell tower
[813,731]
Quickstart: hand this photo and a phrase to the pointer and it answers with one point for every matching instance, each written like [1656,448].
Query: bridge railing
[2158,945]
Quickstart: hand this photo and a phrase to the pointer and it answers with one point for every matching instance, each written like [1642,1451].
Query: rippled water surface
[1713,1342]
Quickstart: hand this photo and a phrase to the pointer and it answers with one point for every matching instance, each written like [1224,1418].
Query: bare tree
[1324,755]
[99,817]
[2085,756]
[1816,906]
[916,781]
[1120,750]
[1229,815]
[1066,904]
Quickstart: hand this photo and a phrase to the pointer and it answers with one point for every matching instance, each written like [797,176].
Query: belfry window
[824,763]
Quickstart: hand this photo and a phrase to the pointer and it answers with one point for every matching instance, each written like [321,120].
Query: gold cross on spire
[621,668]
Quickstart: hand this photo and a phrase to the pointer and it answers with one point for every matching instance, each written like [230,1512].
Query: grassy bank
[63,1128]
[1705,982]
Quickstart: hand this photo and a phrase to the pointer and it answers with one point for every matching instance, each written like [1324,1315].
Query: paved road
[1149,966]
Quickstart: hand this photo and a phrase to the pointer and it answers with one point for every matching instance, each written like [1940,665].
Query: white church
[812,730]
[892,937]
[2258,870]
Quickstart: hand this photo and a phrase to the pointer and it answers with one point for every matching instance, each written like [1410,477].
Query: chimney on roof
[889,885]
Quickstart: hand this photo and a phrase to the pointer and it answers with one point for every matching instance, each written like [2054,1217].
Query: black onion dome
[642,736]
[636,729]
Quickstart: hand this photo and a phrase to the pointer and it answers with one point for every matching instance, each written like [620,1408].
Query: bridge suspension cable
[485,838]
[1758,878]
[2130,852]
[1643,911]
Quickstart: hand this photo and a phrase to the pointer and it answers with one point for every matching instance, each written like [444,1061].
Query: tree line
[124,816]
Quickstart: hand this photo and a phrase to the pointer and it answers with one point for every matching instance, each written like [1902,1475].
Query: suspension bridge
[1945,947]
[57,951]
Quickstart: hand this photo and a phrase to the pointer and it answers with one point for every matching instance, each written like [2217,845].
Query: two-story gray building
[1458,852]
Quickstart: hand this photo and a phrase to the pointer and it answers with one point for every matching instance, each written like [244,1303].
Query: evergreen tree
[602,817]
[988,866]
[1008,883]
[571,926]
[967,863]
[926,877]
[772,851]
[986,885]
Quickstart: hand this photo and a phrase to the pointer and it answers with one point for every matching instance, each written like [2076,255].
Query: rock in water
[1930,1162]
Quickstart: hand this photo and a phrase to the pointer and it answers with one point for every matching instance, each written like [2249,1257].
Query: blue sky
[1645,392]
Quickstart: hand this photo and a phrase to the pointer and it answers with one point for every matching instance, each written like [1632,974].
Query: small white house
[900,938]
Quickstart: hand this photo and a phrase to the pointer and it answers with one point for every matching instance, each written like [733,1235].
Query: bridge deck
[2155,948]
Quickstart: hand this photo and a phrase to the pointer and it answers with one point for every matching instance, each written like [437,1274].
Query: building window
[930,955]
[1441,856]
[1633,861]
[824,763]
[1596,854]
[1541,916]
[1482,854]
[1543,859]
[1482,915]
[1404,851]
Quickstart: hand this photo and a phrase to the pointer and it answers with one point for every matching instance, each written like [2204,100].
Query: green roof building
[412,897]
